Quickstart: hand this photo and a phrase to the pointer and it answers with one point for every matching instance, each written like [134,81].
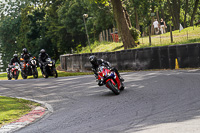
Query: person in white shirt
[156,28]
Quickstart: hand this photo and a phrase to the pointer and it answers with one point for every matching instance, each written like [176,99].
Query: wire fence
[186,34]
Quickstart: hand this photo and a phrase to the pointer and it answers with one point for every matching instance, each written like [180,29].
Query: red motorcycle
[13,72]
[110,79]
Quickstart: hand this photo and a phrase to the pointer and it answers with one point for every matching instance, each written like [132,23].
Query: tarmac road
[152,102]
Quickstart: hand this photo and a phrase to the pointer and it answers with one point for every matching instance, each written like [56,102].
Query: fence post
[160,38]
[114,34]
[109,31]
[107,35]
[100,37]
[171,34]
[149,35]
[103,35]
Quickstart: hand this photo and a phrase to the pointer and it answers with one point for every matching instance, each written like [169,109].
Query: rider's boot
[121,79]
[100,83]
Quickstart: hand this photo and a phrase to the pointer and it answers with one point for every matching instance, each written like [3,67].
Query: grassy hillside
[187,35]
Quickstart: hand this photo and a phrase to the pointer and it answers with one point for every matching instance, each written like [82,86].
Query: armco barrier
[138,59]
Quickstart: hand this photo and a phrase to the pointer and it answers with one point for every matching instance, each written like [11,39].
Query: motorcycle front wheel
[8,75]
[55,74]
[17,74]
[45,75]
[35,73]
[23,75]
[113,88]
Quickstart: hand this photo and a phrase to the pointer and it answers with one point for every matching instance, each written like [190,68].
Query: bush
[135,34]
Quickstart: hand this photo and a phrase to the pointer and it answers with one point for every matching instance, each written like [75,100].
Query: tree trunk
[175,12]
[157,16]
[162,11]
[127,17]
[194,12]
[136,18]
[186,10]
[152,20]
[122,24]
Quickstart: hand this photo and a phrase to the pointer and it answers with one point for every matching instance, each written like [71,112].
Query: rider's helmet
[15,56]
[25,51]
[93,59]
[42,51]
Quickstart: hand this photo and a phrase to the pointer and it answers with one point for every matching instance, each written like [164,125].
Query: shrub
[135,34]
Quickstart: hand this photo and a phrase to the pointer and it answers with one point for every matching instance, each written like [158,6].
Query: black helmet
[25,51]
[15,56]
[42,51]
[93,59]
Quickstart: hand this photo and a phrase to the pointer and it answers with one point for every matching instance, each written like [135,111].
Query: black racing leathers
[13,60]
[42,59]
[26,57]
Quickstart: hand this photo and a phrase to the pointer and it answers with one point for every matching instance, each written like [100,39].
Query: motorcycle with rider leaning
[95,65]
[28,64]
[14,65]
[47,65]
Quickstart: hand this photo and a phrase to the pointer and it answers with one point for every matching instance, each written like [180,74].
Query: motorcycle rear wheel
[113,88]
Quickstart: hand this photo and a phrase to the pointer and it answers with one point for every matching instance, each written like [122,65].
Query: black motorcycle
[49,68]
[29,68]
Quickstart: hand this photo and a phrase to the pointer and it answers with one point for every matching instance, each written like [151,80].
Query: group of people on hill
[159,26]
[26,56]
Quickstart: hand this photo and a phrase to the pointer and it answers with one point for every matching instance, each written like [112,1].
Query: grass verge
[3,76]
[185,36]
[12,109]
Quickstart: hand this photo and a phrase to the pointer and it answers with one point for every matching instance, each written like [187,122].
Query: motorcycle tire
[45,75]
[122,87]
[35,73]
[17,74]
[113,88]
[55,73]
[9,78]
[23,76]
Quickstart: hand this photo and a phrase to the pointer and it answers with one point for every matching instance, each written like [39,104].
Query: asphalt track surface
[152,102]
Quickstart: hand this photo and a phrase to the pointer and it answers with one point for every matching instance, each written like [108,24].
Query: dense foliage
[58,25]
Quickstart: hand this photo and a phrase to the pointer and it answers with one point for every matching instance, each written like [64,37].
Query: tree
[186,11]
[174,7]
[122,25]
[194,12]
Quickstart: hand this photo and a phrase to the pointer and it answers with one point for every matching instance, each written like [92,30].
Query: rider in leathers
[42,59]
[13,60]
[25,55]
[95,64]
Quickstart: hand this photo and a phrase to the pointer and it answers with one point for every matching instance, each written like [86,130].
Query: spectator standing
[156,28]
[162,26]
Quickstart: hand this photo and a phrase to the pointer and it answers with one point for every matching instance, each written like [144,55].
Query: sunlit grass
[12,109]
[60,74]
[185,36]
